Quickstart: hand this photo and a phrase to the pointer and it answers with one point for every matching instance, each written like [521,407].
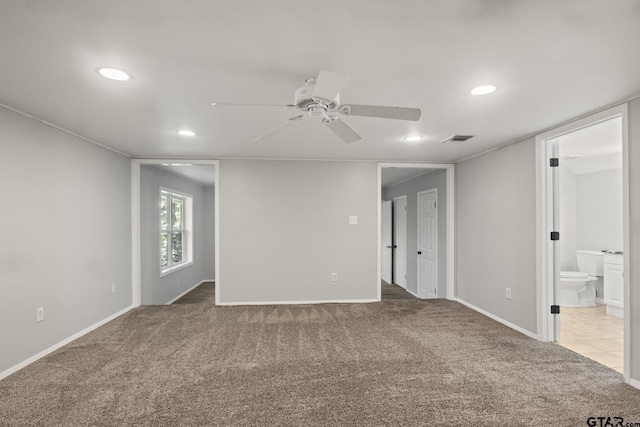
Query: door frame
[431,190]
[393,240]
[390,247]
[136,255]
[450,218]
[546,273]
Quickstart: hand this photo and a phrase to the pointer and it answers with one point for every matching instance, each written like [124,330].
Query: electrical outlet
[508,293]
[39,314]
[113,288]
[334,277]
[353,219]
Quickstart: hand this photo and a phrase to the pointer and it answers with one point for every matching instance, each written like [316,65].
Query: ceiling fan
[320,97]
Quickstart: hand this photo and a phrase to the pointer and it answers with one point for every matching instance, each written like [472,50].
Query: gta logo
[605,422]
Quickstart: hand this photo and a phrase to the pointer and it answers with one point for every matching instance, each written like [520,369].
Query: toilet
[576,288]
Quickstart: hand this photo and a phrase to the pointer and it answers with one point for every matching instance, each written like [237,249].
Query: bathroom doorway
[584,228]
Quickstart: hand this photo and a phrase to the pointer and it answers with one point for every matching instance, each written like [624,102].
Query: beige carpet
[390,291]
[398,362]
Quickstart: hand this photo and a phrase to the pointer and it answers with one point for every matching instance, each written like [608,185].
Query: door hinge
[435,205]
[555,235]
[555,309]
[554,162]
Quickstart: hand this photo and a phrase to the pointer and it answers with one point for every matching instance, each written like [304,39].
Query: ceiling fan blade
[328,84]
[279,127]
[227,104]
[398,113]
[340,128]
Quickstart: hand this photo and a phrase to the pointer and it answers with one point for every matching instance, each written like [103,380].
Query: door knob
[419,252]
[389,246]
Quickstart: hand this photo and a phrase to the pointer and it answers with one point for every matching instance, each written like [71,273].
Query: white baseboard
[634,383]
[498,319]
[415,295]
[599,301]
[64,342]
[187,291]
[351,301]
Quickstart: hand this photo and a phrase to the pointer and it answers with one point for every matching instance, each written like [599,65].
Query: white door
[428,244]
[400,240]
[386,250]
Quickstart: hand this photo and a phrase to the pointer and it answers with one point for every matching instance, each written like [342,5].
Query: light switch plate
[353,219]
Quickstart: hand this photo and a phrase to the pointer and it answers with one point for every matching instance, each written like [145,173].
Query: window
[175,231]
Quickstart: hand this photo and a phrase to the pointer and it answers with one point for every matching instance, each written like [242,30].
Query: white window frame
[187,236]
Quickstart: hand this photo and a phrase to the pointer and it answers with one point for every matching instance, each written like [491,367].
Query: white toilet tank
[591,262]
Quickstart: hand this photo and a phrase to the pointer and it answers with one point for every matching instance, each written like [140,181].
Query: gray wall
[156,289]
[284,230]
[496,233]
[599,210]
[437,179]
[66,211]
[209,234]
[567,246]
[634,256]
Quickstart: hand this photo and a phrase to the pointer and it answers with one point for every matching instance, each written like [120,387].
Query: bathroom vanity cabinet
[614,284]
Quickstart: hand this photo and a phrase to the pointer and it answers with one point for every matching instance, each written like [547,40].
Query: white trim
[412,293]
[187,291]
[62,343]
[394,279]
[544,203]
[450,178]
[599,301]
[60,128]
[498,319]
[451,230]
[136,260]
[352,301]
[632,382]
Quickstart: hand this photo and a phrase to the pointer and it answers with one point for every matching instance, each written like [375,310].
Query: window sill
[175,268]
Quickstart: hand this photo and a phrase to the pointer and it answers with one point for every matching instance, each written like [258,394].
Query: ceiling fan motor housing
[304,98]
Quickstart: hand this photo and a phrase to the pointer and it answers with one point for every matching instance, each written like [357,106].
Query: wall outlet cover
[39,314]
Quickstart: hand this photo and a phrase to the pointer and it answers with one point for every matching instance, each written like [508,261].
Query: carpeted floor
[397,362]
[390,291]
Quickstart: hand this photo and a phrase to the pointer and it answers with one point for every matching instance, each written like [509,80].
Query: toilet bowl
[576,289]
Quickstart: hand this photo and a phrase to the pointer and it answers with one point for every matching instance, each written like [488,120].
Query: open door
[386,251]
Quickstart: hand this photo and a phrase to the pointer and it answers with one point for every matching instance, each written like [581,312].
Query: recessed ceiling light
[413,138]
[114,74]
[185,132]
[483,90]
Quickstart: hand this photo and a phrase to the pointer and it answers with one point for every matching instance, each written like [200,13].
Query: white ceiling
[200,174]
[392,176]
[595,140]
[551,60]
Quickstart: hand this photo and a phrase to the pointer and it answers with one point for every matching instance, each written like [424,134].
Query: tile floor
[591,332]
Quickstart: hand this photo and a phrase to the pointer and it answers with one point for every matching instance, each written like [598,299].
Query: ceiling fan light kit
[320,98]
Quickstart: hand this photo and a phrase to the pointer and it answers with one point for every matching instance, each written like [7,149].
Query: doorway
[578,229]
[162,275]
[403,181]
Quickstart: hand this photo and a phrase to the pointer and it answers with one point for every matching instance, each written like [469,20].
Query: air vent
[456,138]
